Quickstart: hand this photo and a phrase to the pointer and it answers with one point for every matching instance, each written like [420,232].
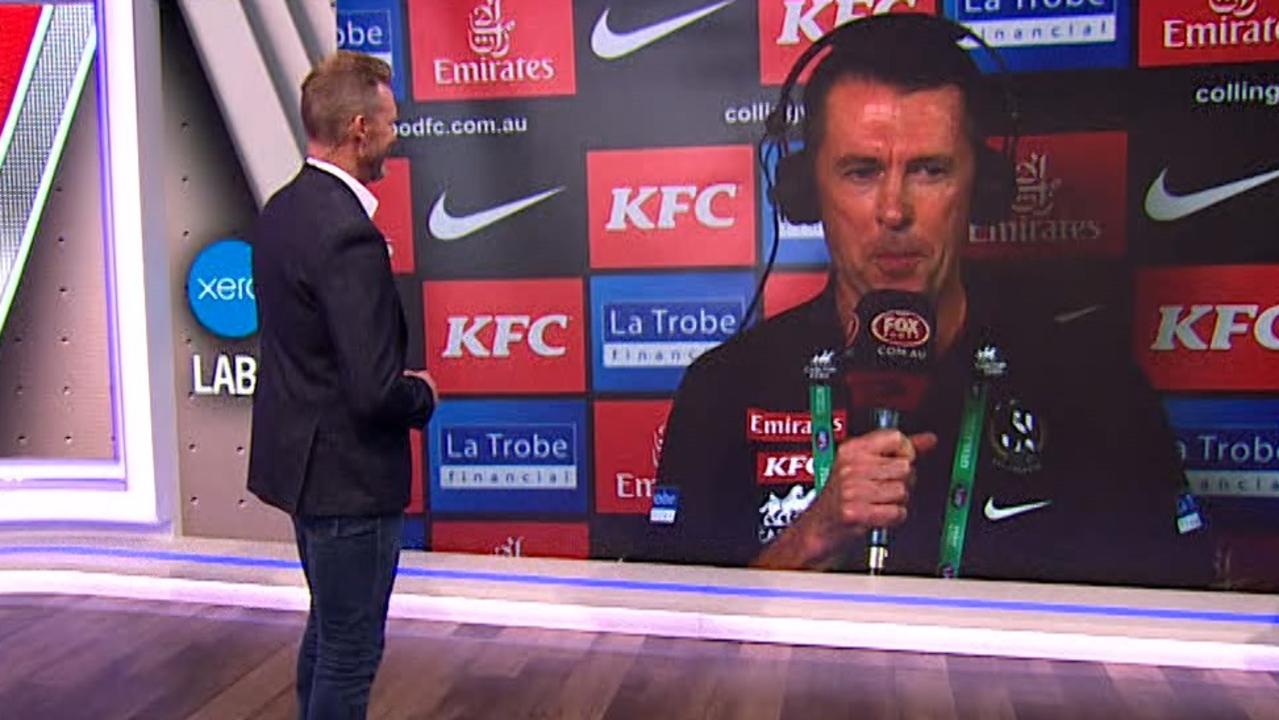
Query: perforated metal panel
[207,198]
[60,50]
[54,362]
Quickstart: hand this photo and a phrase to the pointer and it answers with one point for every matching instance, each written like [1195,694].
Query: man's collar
[367,200]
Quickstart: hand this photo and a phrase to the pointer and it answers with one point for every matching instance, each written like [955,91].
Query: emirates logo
[490,35]
[1236,8]
[1036,190]
[659,436]
[511,547]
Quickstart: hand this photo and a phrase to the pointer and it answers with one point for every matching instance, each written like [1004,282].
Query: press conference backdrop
[574,212]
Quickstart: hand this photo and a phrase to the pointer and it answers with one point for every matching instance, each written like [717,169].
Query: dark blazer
[333,408]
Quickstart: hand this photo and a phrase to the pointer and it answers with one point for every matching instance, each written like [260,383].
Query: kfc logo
[512,539]
[1069,202]
[1209,328]
[780,468]
[1177,326]
[671,208]
[495,336]
[628,206]
[464,335]
[628,449]
[394,216]
[1192,32]
[788,27]
[491,49]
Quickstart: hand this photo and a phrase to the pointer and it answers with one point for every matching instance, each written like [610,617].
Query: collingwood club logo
[1016,437]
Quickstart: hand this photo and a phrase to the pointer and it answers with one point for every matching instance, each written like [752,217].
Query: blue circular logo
[220,289]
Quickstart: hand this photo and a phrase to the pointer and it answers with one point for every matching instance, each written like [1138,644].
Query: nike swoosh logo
[610,45]
[444,226]
[995,513]
[1073,315]
[1165,207]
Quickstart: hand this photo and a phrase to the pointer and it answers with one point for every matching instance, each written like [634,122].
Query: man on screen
[1077,477]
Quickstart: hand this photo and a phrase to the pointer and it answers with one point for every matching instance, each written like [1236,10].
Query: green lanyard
[820,370]
[962,476]
[988,365]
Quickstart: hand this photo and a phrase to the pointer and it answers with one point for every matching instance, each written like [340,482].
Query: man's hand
[425,377]
[869,487]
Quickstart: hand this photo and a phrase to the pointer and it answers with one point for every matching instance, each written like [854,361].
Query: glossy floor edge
[1064,622]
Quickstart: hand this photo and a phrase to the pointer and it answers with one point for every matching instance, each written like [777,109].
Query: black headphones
[793,189]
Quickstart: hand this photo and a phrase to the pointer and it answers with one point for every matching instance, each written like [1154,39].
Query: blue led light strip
[1117,611]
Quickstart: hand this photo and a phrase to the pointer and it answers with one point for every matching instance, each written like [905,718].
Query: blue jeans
[350,565]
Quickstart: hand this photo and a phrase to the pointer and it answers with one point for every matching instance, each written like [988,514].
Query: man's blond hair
[342,86]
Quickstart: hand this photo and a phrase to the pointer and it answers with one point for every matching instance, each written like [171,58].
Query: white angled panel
[238,73]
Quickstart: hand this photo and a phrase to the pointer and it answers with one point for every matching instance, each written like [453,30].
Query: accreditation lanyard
[820,370]
[988,364]
[963,474]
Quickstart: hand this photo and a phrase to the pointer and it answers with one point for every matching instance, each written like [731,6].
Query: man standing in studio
[334,403]
[1076,474]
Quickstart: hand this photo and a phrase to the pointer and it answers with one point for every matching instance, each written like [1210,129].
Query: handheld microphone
[887,367]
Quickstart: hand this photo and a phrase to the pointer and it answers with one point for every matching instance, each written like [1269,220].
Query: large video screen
[579,217]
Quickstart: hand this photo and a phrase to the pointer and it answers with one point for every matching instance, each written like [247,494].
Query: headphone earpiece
[795,192]
[995,186]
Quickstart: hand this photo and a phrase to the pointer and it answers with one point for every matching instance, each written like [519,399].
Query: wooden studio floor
[73,657]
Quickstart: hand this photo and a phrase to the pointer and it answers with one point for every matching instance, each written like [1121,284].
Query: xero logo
[220,289]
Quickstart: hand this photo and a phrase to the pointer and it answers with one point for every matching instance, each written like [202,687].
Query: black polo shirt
[1077,477]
